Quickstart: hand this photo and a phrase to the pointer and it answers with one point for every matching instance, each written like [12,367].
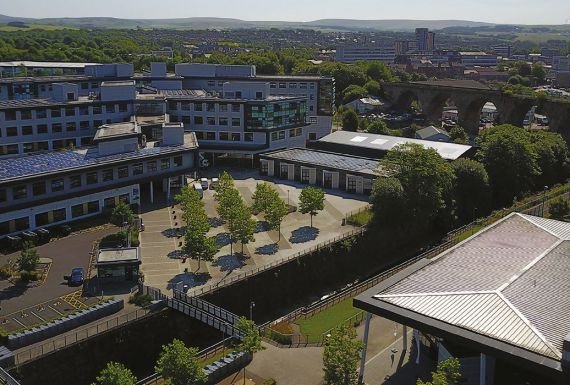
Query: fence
[207,307]
[250,273]
[6,378]
[70,339]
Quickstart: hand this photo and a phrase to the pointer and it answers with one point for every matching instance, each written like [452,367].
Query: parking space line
[18,321]
[55,310]
[37,316]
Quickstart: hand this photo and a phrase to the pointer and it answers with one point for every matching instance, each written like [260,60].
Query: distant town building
[425,40]
[433,134]
[505,51]
[478,59]
[367,104]
[361,53]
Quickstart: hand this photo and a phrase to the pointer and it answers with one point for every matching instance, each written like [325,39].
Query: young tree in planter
[264,195]
[189,201]
[227,201]
[225,182]
[115,374]
[341,356]
[122,213]
[251,343]
[275,213]
[242,226]
[29,258]
[180,364]
[312,200]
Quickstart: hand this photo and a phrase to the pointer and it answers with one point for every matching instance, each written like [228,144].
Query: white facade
[372,53]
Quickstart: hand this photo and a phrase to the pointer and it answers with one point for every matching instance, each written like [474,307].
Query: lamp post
[544,200]
[251,306]
[287,198]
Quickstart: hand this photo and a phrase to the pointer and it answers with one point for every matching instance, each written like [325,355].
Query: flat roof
[449,151]
[114,256]
[116,130]
[205,96]
[327,160]
[39,103]
[45,64]
[118,83]
[15,169]
[505,287]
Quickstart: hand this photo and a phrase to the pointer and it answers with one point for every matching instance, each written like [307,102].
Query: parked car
[204,183]
[64,230]
[76,278]
[214,183]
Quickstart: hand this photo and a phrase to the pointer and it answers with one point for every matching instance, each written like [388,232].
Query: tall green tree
[115,374]
[472,191]
[180,364]
[242,226]
[378,127]
[29,257]
[388,203]
[350,120]
[251,341]
[552,157]
[448,373]
[264,195]
[225,182]
[539,72]
[510,160]
[275,213]
[559,209]
[457,135]
[427,185]
[311,201]
[122,213]
[341,356]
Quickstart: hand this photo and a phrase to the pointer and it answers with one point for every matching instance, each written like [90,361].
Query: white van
[199,189]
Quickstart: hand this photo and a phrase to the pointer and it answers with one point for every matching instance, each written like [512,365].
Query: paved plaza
[164,268]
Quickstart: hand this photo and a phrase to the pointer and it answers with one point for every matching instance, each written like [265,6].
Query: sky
[495,11]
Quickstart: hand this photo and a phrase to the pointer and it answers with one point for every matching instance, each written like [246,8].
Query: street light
[287,197]
[251,306]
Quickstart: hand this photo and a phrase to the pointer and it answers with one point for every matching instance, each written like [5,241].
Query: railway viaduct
[469,97]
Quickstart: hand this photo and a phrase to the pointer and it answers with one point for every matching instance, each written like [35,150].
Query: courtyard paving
[164,268]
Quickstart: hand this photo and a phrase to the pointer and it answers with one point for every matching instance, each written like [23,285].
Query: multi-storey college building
[71,145]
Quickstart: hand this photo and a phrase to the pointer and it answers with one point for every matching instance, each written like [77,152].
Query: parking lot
[65,253]
[163,266]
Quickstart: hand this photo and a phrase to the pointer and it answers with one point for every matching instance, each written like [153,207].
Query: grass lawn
[470,232]
[45,27]
[327,319]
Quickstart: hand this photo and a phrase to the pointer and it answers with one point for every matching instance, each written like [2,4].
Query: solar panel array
[35,165]
[327,159]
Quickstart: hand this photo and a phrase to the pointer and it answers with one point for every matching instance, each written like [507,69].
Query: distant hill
[228,23]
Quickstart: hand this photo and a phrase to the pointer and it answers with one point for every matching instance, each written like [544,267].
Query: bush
[5,271]
[142,300]
[280,333]
[27,276]
[270,381]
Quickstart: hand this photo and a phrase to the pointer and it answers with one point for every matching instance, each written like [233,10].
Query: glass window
[110,108]
[274,136]
[151,166]
[107,175]
[211,121]
[56,127]
[223,107]
[93,207]
[10,115]
[69,111]
[20,191]
[223,121]
[109,202]
[224,136]
[97,109]
[198,107]
[85,125]
[304,175]
[138,169]
[57,185]
[272,85]
[282,85]
[70,126]
[41,114]
[42,219]
[235,108]
[123,107]
[27,130]
[210,107]
[123,172]
[77,211]
[22,223]
[210,136]
[75,181]
[55,112]
[86,140]
[164,164]
[236,122]
[92,177]
[248,137]
[185,106]
[83,110]
[177,161]
[281,135]
[39,188]
[236,137]
[125,198]
[26,114]
[59,215]
[198,120]
[3,196]
[42,128]
[199,135]
[28,147]
[11,131]
[42,146]
[264,167]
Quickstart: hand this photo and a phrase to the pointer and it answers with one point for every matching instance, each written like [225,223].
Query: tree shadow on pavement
[13,291]
[270,249]
[215,222]
[223,239]
[229,262]
[304,234]
[175,254]
[261,227]
[189,280]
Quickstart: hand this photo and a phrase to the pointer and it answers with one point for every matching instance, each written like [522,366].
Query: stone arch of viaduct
[469,97]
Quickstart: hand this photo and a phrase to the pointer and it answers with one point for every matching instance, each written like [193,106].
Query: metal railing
[207,307]
[6,378]
[69,339]
[250,273]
